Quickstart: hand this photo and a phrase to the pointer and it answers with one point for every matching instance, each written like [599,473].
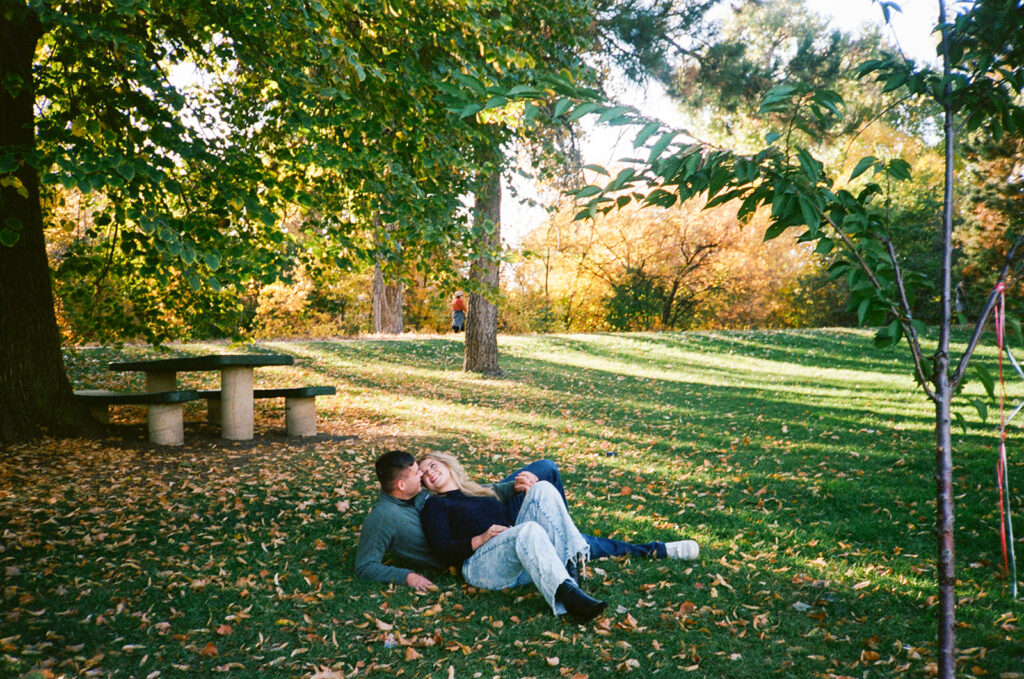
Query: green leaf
[810,214]
[862,309]
[777,98]
[496,102]
[981,407]
[588,191]
[960,420]
[561,106]
[661,145]
[8,237]
[986,380]
[597,168]
[774,230]
[470,110]
[620,179]
[899,169]
[862,166]
[612,113]
[644,134]
[582,110]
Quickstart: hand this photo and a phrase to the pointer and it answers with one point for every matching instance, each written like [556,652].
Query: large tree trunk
[482,318]
[387,305]
[34,388]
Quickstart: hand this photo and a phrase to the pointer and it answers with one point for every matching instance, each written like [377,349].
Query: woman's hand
[524,481]
[478,541]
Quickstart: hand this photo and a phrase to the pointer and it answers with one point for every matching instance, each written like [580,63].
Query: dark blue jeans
[547,470]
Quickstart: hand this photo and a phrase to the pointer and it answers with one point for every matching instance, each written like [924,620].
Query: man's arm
[374,540]
[505,490]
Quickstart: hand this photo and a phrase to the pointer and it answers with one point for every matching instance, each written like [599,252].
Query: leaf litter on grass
[800,461]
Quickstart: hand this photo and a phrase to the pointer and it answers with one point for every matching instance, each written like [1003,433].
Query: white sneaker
[682,549]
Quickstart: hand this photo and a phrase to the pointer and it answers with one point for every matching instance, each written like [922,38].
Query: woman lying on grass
[466,526]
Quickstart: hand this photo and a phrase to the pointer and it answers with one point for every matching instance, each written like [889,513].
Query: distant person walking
[458,313]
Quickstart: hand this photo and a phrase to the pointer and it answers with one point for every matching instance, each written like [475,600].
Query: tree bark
[481,353]
[34,388]
[387,305]
[946,571]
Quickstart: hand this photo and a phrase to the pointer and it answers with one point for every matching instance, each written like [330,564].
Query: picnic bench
[236,382]
[164,410]
[299,405]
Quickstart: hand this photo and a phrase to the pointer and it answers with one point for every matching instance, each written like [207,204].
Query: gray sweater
[393,525]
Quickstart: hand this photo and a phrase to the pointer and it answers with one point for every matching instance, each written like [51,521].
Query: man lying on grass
[393,525]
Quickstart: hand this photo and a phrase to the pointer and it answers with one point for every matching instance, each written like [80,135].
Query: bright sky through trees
[605,145]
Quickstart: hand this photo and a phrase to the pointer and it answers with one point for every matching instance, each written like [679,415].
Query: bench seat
[299,403]
[164,410]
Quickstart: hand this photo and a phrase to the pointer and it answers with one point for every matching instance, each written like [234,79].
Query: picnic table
[236,382]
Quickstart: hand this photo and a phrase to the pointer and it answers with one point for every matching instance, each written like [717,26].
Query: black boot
[577,568]
[570,567]
[580,606]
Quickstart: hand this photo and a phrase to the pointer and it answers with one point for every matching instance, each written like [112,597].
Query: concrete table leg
[236,402]
[300,416]
[157,381]
[166,424]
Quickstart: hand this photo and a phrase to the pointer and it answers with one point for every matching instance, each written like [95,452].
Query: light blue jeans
[534,550]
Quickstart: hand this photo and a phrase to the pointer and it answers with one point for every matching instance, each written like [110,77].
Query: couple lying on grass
[511,533]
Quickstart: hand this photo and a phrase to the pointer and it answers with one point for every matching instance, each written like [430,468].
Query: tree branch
[908,327]
[961,366]
[918,360]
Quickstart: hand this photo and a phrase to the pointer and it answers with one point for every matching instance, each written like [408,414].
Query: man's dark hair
[392,465]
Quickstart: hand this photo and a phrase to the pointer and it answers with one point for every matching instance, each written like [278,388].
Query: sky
[910,30]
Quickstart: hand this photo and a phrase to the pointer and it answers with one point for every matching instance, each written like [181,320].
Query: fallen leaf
[209,651]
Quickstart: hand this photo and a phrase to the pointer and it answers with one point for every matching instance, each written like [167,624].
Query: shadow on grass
[810,492]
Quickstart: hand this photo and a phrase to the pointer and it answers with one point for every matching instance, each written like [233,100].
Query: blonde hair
[459,475]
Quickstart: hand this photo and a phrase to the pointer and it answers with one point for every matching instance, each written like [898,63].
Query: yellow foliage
[720,272]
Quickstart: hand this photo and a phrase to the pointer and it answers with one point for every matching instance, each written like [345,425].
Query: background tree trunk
[34,388]
[387,305]
[387,299]
[482,317]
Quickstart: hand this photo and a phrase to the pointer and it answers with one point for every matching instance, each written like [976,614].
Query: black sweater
[451,520]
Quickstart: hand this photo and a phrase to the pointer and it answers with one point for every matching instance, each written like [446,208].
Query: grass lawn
[802,461]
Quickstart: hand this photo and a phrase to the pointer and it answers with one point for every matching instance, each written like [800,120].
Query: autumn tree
[679,267]
[339,111]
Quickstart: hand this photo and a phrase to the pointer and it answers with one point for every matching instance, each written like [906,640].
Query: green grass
[803,462]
